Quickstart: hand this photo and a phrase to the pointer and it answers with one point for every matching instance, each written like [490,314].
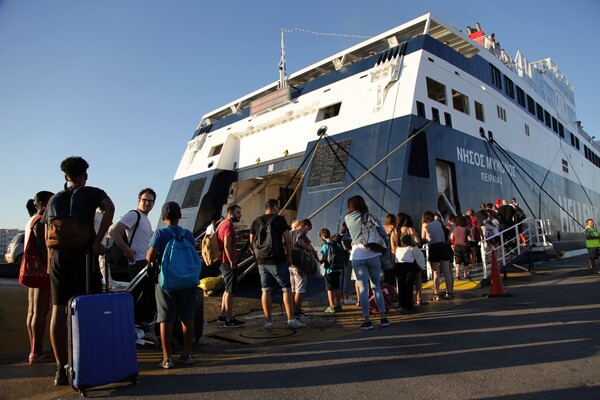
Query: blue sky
[124,83]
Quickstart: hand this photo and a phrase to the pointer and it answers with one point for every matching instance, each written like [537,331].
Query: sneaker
[366,326]
[268,326]
[166,363]
[294,323]
[330,310]
[301,315]
[337,308]
[187,359]
[384,323]
[221,320]
[234,323]
[61,379]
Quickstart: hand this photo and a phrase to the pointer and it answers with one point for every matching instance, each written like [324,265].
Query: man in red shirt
[228,245]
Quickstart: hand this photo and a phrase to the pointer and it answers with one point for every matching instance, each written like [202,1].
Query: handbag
[34,268]
[115,256]
[419,257]
[373,240]
[304,261]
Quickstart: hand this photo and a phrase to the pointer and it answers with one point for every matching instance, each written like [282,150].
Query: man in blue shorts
[273,264]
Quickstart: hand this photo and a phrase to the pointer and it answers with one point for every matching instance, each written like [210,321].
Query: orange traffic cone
[496,286]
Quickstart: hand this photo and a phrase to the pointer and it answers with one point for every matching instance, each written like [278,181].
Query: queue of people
[365,250]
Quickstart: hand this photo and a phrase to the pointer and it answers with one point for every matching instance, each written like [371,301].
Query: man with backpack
[70,238]
[173,298]
[228,246]
[133,232]
[267,236]
[333,259]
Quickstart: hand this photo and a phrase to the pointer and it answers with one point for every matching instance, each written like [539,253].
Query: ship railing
[514,241]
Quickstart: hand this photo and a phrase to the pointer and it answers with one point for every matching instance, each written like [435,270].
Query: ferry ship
[421,117]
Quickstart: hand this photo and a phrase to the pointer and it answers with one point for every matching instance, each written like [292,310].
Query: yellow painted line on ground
[460,284]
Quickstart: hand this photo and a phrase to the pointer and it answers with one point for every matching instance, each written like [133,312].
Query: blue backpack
[180,264]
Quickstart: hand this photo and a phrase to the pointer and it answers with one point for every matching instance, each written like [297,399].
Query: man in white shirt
[136,251]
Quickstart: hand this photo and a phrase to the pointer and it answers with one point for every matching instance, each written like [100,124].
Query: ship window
[521,97]
[215,150]
[479,111]
[193,194]
[436,91]
[509,87]
[540,112]
[448,119]
[460,101]
[565,165]
[328,112]
[435,114]
[496,76]
[530,105]
[329,163]
[561,130]
[554,125]
[548,119]
[420,109]
[284,195]
[418,156]
[572,139]
[501,113]
[527,130]
[576,142]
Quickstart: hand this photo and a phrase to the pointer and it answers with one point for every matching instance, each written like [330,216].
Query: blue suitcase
[102,338]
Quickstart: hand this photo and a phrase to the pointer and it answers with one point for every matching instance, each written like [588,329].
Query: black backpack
[263,241]
[335,256]
[67,222]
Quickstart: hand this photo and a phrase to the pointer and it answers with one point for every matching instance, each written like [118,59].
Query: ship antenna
[282,78]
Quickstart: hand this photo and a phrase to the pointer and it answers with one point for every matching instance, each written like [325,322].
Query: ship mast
[282,80]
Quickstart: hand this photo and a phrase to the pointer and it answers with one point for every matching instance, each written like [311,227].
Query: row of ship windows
[460,102]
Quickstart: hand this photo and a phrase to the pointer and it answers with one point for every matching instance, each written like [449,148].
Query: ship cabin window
[548,119]
[520,97]
[509,87]
[565,165]
[448,119]
[576,142]
[479,111]
[496,77]
[328,112]
[530,105]
[561,130]
[554,125]
[572,139]
[460,101]
[435,114]
[436,91]
[215,150]
[540,112]
[501,113]
[527,130]
[420,109]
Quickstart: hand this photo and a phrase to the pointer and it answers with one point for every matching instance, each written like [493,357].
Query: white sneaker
[294,323]
[268,326]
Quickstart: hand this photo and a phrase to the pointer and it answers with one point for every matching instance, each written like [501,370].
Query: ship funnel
[322,130]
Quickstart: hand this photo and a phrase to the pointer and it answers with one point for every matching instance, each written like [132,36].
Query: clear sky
[124,83]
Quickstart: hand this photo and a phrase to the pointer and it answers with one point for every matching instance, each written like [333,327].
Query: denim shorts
[271,275]
[169,305]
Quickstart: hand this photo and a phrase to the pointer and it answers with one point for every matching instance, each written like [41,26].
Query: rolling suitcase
[101,338]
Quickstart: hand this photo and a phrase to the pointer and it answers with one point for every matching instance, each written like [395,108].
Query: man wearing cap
[179,302]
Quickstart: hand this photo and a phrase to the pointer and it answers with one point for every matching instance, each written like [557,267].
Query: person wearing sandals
[366,263]
[439,254]
[402,240]
[460,237]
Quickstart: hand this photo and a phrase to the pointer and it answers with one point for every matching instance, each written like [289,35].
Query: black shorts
[332,280]
[67,275]
[461,254]
[439,252]
[230,278]
[593,252]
